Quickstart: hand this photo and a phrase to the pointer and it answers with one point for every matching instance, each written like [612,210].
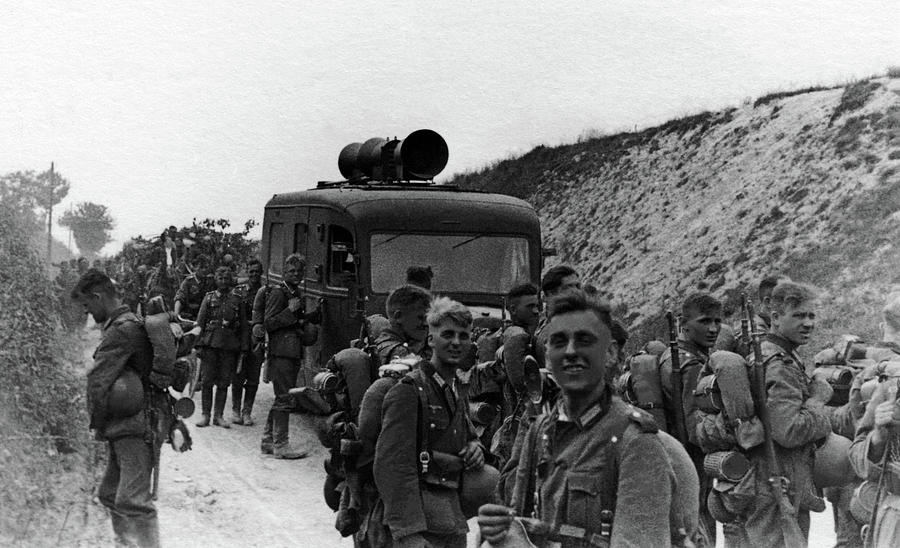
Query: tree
[26,191]
[90,224]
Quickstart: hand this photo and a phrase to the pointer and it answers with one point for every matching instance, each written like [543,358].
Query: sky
[166,111]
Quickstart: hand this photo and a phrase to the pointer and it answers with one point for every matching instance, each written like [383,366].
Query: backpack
[724,393]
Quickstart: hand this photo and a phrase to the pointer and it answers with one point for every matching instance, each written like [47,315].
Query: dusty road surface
[224,492]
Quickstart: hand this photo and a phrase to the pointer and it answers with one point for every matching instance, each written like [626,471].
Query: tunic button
[432,425]
[636,415]
[614,439]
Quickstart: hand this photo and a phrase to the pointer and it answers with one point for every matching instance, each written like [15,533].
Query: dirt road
[224,492]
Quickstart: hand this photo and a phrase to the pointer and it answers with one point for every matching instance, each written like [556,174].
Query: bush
[855,96]
[43,418]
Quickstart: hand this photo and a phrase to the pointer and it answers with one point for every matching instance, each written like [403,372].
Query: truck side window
[276,248]
[342,265]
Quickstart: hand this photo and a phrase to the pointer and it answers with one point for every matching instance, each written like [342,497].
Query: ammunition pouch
[444,470]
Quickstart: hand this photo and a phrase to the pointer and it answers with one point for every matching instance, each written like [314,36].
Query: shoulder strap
[423,456]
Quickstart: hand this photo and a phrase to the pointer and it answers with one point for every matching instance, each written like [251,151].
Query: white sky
[165,111]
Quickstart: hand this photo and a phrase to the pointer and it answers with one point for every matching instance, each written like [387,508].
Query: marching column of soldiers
[537,424]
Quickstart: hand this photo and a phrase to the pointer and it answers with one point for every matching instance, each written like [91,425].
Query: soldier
[732,339]
[517,341]
[875,452]
[406,308]
[701,319]
[427,440]
[557,280]
[192,290]
[286,322]
[798,418]
[846,419]
[246,380]
[124,352]
[221,320]
[420,276]
[593,470]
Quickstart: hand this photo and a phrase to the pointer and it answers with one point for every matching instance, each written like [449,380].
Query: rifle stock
[778,483]
[677,381]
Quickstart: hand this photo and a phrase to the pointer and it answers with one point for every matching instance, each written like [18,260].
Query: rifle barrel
[677,381]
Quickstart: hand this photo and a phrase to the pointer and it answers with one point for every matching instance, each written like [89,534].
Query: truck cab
[360,235]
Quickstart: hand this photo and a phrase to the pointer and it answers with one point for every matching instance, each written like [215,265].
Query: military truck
[359,236]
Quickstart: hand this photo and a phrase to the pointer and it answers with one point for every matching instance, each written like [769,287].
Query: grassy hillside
[806,183]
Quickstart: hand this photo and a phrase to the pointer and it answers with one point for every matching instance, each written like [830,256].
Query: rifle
[745,321]
[677,382]
[778,483]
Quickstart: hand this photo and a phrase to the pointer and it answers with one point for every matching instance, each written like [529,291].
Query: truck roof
[387,206]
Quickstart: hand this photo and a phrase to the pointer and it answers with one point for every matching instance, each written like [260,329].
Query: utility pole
[50,219]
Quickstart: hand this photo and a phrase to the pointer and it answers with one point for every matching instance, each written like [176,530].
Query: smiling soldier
[427,440]
[592,471]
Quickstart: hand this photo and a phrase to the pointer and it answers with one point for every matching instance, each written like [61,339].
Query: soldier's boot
[281,446]
[206,403]
[146,531]
[249,398]
[237,389]
[221,396]
[266,444]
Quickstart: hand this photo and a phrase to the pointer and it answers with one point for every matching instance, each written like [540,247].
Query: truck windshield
[465,263]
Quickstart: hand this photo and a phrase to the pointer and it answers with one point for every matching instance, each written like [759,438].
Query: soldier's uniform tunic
[569,471]
[886,530]
[190,294]
[221,319]
[246,381]
[285,357]
[797,423]
[125,488]
[414,502]
[391,344]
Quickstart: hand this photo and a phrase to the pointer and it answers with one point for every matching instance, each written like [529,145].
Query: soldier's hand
[473,456]
[819,389]
[295,304]
[259,332]
[494,521]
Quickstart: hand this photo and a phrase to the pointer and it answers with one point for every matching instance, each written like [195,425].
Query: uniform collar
[122,309]
[591,415]
[784,344]
[693,348]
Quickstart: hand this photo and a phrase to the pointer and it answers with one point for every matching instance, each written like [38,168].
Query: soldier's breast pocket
[584,500]
[437,417]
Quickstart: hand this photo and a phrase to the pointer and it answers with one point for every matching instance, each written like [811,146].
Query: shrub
[855,96]
[44,440]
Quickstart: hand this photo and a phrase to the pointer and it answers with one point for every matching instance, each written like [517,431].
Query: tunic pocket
[437,417]
[584,500]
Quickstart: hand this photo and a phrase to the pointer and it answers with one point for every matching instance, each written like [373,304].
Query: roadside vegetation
[47,460]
